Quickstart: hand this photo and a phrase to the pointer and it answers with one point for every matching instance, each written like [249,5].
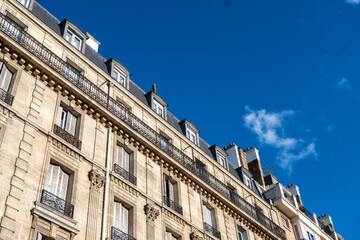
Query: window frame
[189,134]
[61,110]
[221,158]
[74,36]
[26,4]
[240,233]
[247,181]
[156,106]
[122,206]
[310,236]
[117,75]
[8,71]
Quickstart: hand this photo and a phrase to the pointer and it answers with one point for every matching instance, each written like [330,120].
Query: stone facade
[31,143]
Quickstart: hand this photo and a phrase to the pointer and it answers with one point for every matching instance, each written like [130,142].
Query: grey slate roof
[99,60]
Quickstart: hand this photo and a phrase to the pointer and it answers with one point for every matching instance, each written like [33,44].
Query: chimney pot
[288,185]
[154,88]
[250,147]
[322,216]
[247,149]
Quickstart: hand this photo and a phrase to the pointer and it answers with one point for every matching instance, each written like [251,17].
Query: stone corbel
[97,180]
[151,213]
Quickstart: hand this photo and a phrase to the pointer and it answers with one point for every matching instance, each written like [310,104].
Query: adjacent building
[87,154]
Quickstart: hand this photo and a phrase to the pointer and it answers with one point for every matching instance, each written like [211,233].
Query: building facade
[86,154]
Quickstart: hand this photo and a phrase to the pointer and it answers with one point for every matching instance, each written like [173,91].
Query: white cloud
[354,2]
[269,128]
[342,84]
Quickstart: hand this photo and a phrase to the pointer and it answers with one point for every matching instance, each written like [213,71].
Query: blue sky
[281,75]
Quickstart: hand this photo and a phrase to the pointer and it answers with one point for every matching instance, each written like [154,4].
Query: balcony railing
[67,136]
[56,203]
[306,212]
[6,97]
[116,234]
[102,98]
[124,174]
[213,231]
[173,205]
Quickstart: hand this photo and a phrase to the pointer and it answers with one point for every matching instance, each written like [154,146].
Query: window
[222,160]
[247,181]
[122,158]
[170,195]
[208,216]
[191,135]
[67,121]
[72,38]
[170,236]
[121,217]
[24,2]
[310,236]
[285,222]
[158,108]
[5,77]
[242,234]
[120,79]
[39,236]
[57,182]
[122,111]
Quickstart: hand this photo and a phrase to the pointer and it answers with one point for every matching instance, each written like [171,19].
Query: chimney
[242,157]
[92,42]
[254,165]
[154,88]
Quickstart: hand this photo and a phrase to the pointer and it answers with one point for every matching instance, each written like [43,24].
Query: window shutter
[63,184]
[60,117]
[171,191]
[207,215]
[117,215]
[71,124]
[126,160]
[5,77]
[125,220]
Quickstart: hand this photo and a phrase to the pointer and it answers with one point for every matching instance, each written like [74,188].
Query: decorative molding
[123,184]
[173,216]
[97,180]
[151,213]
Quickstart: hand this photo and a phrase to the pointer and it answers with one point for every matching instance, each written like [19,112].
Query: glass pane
[77,42]
[68,36]
[5,78]
[117,215]
[125,220]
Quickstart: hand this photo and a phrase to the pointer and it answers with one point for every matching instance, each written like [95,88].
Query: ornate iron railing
[117,234]
[6,97]
[124,174]
[173,205]
[306,212]
[102,98]
[213,231]
[67,136]
[56,203]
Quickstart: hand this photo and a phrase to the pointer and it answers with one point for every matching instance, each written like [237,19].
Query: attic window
[72,38]
[119,78]
[247,181]
[158,108]
[191,135]
[26,3]
[222,160]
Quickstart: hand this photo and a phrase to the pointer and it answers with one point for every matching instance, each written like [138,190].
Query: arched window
[5,77]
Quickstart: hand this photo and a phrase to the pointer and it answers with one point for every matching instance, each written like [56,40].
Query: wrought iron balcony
[306,212]
[67,136]
[213,231]
[6,97]
[56,203]
[173,205]
[124,174]
[116,234]
[101,97]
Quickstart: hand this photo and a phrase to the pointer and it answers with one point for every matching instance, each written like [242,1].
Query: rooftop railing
[306,212]
[102,98]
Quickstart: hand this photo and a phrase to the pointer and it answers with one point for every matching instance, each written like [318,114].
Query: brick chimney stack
[254,165]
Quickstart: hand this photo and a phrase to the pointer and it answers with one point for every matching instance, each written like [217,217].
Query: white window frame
[247,181]
[118,76]
[170,236]
[158,108]
[122,221]
[6,77]
[310,236]
[68,121]
[222,160]
[208,215]
[72,39]
[169,189]
[191,136]
[26,3]
[242,234]
[285,222]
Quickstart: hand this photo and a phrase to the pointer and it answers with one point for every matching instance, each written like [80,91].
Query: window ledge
[55,217]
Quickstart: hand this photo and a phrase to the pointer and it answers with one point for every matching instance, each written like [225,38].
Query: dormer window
[72,38]
[222,160]
[119,78]
[26,3]
[191,135]
[158,108]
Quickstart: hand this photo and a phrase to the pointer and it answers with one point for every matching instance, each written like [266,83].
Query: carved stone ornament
[97,180]
[151,213]
[195,236]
